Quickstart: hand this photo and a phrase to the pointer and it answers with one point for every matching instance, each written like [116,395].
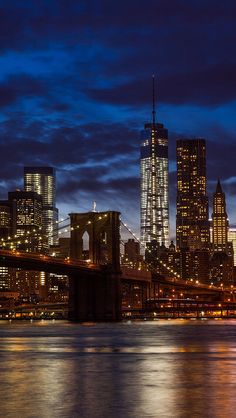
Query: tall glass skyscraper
[42,180]
[154,207]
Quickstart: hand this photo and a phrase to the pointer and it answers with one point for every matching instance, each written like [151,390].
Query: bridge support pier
[95,297]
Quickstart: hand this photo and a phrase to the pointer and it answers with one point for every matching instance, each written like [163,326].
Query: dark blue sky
[75,91]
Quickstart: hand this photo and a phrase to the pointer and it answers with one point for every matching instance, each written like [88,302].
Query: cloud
[207,87]
[76,86]
[87,157]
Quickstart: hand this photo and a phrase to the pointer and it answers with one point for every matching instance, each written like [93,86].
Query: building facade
[26,212]
[5,219]
[192,225]
[42,180]
[220,224]
[26,231]
[154,207]
[232,240]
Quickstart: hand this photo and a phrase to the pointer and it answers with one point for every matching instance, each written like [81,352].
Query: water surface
[131,369]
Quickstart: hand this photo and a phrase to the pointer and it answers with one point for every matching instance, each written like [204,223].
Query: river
[175,368]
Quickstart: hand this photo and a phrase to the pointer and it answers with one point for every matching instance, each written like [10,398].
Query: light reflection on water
[131,370]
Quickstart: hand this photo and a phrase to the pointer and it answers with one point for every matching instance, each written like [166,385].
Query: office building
[26,230]
[232,240]
[26,218]
[222,259]
[192,226]
[5,219]
[42,180]
[154,205]
[220,224]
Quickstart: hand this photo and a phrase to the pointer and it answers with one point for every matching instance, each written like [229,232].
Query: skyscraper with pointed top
[220,224]
[154,205]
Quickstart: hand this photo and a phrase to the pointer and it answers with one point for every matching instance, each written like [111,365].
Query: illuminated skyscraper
[154,205]
[192,226]
[26,223]
[5,227]
[5,219]
[26,212]
[220,223]
[232,241]
[43,181]
[222,259]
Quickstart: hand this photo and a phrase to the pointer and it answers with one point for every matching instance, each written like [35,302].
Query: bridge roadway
[67,266]
[41,262]
[146,277]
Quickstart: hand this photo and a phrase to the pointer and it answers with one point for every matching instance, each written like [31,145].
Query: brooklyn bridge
[102,289]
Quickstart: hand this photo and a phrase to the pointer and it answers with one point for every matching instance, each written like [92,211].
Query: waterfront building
[26,226]
[5,226]
[43,181]
[192,226]
[154,205]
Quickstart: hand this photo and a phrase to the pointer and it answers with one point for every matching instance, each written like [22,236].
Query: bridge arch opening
[85,245]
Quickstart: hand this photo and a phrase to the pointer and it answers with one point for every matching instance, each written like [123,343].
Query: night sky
[75,91]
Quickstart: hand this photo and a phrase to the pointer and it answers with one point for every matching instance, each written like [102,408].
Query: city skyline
[98,98]
[75,93]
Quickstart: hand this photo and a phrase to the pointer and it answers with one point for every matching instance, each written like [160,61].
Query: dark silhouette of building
[222,270]
[192,226]
[132,255]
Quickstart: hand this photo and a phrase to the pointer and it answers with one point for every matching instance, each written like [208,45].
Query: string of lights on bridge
[169,269]
[17,239]
[65,228]
[164,265]
[33,233]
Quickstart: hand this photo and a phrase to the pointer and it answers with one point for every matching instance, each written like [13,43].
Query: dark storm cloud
[221,163]
[211,86]
[190,45]
[68,144]
[20,86]
[87,157]
[126,187]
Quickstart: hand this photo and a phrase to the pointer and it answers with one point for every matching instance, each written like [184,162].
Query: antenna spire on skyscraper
[154,179]
[153,101]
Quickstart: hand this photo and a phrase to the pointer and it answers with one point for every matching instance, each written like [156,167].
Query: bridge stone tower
[96,296]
